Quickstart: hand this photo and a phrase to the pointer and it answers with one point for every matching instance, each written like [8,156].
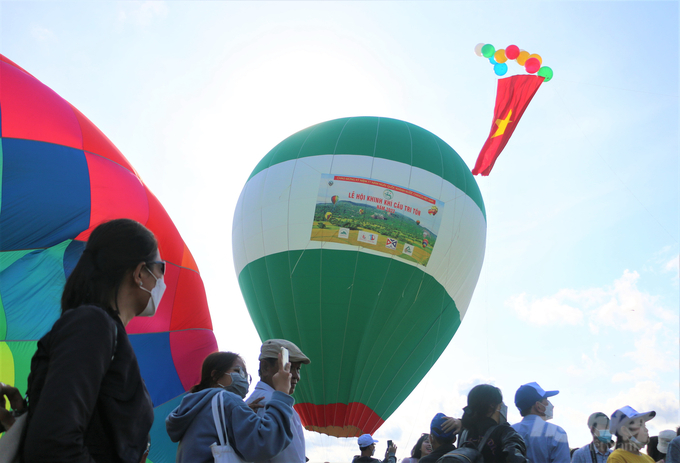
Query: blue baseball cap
[625,415]
[436,428]
[365,440]
[530,393]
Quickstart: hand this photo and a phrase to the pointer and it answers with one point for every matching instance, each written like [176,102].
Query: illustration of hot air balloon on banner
[372,306]
[61,177]
[512,98]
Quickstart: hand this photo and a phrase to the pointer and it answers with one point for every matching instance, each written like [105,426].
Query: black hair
[619,441]
[526,411]
[113,249]
[481,399]
[417,452]
[653,449]
[220,363]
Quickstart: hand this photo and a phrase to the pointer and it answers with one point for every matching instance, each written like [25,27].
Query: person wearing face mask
[253,437]
[87,400]
[546,442]
[485,418]
[269,352]
[631,433]
[598,450]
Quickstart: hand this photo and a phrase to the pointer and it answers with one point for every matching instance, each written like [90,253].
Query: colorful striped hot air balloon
[61,177]
[371,307]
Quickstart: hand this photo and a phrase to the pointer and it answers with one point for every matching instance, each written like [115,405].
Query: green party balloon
[353,282]
[488,50]
[546,72]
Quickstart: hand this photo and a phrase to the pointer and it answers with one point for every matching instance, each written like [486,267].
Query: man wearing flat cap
[631,433]
[546,442]
[269,357]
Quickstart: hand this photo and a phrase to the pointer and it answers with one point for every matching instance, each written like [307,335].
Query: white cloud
[42,34]
[621,305]
[545,311]
[591,365]
[673,265]
[142,13]
[631,322]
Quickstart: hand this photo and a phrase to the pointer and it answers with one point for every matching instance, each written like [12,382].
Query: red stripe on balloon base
[339,420]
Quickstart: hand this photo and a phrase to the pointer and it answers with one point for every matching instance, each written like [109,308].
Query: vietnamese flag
[512,98]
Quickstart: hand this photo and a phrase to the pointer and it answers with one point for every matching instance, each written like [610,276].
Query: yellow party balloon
[537,56]
[499,56]
[522,57]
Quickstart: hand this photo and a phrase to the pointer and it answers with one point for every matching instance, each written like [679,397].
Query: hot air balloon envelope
[60,178]
[372,307]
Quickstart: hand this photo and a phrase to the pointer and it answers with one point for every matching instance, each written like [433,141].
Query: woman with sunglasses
[253,437]
[86,398]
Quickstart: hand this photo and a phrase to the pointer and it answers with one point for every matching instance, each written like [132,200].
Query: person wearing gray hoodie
[253,437]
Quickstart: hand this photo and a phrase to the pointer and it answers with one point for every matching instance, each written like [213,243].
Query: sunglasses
[158,262]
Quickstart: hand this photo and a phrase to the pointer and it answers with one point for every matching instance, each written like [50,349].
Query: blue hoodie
[253,437]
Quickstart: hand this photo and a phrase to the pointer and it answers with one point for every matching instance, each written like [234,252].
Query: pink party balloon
[512,51]
[532,65]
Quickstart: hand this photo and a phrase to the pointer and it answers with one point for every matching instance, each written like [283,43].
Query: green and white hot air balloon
[356,290]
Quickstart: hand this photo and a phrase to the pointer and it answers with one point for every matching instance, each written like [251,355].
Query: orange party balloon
[522,57]
[499,56]
[538,57]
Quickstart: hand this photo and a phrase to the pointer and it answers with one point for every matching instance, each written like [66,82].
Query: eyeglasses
[159,262]
[243,374]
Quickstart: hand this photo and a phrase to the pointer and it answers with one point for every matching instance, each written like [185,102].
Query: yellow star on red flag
[502,124]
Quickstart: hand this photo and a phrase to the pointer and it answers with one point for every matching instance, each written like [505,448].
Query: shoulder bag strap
[217,404]
[462,437]
[115,340]
[482,443]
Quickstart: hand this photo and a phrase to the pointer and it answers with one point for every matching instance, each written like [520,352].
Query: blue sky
[579,288]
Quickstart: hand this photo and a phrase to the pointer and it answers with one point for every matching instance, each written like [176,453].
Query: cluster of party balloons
[533,63]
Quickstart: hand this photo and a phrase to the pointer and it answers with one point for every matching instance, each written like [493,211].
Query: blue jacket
[546,442]
[253,437]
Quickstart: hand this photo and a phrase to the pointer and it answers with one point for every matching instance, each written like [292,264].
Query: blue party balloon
[493,61]
[500,69]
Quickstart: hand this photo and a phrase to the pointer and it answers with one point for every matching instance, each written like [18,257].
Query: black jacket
[504,445]
[86,398]
[436,454]
[360,459]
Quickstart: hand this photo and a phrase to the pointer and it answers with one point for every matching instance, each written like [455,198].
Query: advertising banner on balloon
[376,215]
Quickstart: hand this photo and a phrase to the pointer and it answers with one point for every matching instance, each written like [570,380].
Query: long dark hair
[220,363]
[417,452]
[481,399]
[113,249]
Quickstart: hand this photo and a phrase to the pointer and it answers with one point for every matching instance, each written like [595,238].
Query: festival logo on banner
[377,215]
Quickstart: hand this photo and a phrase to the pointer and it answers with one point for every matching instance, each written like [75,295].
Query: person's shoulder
[555,428]
[582,450]
[88,314]
[86,318]
[261,390]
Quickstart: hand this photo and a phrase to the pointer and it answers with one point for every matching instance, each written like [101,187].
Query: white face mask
[548,411]
[156,296]
[503,413]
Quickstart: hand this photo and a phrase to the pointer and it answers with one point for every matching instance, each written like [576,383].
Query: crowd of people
[483,435]
[86,400]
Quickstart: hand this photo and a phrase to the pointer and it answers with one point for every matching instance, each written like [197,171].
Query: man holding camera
[367,448]
[269,357]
